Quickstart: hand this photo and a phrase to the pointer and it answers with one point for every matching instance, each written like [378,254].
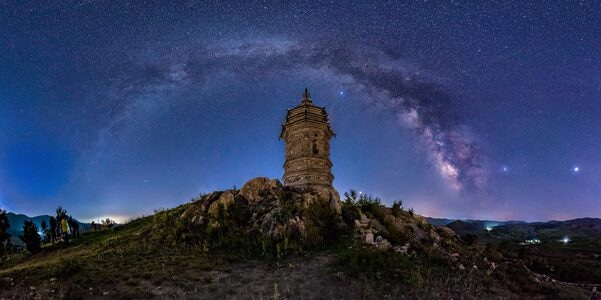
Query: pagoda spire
[306,97]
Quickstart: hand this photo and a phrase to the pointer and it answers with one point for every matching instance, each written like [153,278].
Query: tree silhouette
[53,229]
[108,222]
[397,208]
[4,236]
[44,226]
[31,237]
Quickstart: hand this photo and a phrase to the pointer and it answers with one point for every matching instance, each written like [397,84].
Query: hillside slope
[379,253]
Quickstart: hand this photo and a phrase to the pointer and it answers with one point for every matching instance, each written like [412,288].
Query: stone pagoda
[307,133]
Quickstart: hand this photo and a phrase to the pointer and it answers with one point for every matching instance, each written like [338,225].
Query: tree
[53,229]
[61,213]
[31,237]
[44,226]
[4,236]
[108,222]
[397,208]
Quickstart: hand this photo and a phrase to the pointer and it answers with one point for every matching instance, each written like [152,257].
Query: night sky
[466,110]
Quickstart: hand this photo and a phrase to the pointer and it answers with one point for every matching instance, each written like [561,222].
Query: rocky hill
[269,241]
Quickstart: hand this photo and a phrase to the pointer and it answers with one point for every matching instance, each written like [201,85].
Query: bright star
[341,93]
[576,169]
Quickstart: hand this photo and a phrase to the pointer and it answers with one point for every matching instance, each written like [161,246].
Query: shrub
[368,203]
[320,223]
[397,208]
[394,232]
[4,236]
[350,212]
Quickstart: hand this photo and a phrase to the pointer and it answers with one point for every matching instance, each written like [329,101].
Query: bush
[397,208]
[368,203]
[320,223]
[394,232]
[4,236]
[350,212]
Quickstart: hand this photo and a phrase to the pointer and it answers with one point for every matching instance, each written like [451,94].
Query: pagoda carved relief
[307,133]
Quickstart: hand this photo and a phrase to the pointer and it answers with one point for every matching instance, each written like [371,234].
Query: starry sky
[462,109]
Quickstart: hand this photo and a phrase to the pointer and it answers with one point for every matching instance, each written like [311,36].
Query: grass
[157,256]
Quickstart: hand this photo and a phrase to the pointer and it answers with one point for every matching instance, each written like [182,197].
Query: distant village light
[565,240]
[488,228]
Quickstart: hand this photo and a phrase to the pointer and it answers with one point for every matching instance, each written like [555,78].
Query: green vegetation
[227,231]
[397,208]
[4,236]
[168,256]
[31,237]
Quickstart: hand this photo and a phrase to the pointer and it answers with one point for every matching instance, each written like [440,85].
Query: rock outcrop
[265,206]
[406,233]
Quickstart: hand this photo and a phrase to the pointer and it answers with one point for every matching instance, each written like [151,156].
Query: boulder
[383,244]
[225,199]
[419,233]
[260,189]
[196,212]
[369,238]
[402,249]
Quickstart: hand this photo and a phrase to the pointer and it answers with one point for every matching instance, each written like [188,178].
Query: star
[576,169]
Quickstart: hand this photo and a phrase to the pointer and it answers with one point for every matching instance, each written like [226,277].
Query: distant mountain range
[575,228]
[16,225]
[582,227]
[481,223]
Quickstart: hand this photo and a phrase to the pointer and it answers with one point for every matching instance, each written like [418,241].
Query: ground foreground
[381,253]
[121,264]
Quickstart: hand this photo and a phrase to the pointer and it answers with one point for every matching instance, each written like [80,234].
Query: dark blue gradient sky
[488,110]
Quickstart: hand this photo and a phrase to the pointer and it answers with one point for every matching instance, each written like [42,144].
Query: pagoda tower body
[307,133]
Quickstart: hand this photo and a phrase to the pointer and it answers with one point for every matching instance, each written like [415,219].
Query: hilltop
[270,241]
